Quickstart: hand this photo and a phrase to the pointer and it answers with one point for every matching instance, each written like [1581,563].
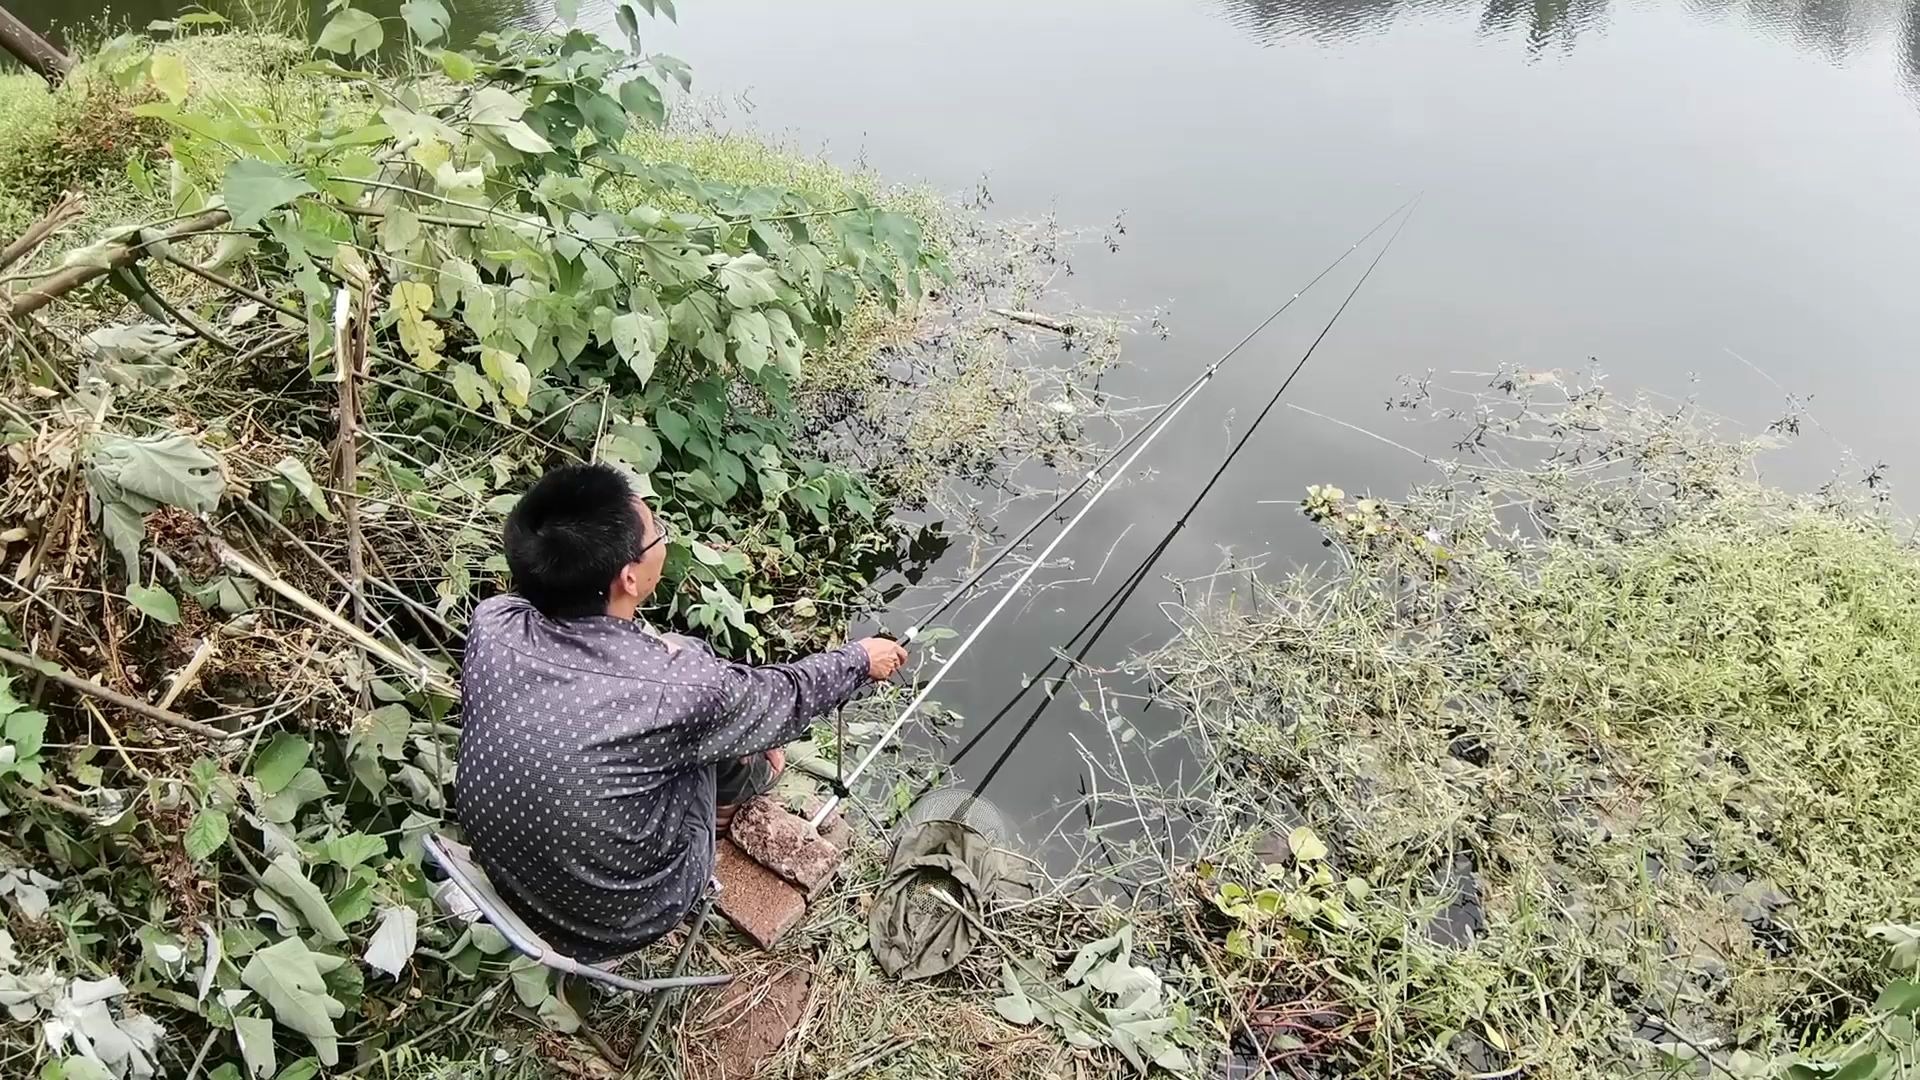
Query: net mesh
[948,804]
[961,805]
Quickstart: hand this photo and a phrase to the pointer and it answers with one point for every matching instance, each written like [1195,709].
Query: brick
[757,901]
[785,843]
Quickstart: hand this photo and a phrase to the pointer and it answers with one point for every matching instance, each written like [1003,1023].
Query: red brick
[757,901]
[785,843]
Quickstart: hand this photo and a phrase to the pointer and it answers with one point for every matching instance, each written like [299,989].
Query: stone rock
[757,901]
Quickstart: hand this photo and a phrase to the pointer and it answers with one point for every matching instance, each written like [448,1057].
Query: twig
[179,314]
[867,1061]
[230,285]
[112,697]
[190,672]
[69,207]
[1034,318]
[352,353]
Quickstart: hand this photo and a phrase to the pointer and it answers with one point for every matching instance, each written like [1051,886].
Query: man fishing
[599,757]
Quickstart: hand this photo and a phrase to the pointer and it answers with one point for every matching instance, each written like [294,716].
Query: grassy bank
[1617,762]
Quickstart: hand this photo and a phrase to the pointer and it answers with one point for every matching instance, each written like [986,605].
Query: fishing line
[1139,444]
[1172,407]
[1117,601]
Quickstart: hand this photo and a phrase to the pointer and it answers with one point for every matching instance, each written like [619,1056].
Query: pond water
[1660,186]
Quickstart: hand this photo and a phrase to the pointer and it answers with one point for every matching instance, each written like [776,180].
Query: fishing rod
[1139,443]
[1110,609]
[1171,409]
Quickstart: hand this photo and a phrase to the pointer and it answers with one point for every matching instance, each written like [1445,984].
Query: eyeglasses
[662,532]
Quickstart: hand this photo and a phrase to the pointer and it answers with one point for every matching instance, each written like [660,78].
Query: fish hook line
[1139,444]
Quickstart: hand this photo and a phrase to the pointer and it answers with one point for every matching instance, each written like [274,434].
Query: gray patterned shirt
[586,778]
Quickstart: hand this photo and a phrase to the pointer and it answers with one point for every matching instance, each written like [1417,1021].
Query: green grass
[1663,721]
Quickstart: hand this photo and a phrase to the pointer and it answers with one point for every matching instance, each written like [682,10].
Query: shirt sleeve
[758,708]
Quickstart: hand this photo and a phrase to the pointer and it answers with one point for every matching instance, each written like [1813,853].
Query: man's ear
[627,581]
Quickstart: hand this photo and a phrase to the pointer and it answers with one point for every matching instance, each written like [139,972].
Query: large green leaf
[352,31]
[307,785]
[205,834]
[155,603]
[256,1044]
[283,756]
[291,978]
[284,877]
[749,280]
[428,19]
[640,337]
[254,188]
[751,339]
[642,99]
[170,469]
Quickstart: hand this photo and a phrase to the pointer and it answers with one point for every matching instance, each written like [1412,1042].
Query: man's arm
[752,709]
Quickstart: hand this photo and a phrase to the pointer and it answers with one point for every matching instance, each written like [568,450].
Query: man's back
[585,783]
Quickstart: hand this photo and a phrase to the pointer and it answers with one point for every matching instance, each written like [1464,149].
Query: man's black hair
[569,536]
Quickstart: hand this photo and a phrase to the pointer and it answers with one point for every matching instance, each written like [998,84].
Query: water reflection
[1839,31]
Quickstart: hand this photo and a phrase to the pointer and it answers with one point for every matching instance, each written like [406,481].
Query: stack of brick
[771,863]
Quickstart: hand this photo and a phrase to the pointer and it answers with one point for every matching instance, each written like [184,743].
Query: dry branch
[118,257]
[68,208]
[112,697]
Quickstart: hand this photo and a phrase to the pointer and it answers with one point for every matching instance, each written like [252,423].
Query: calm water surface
[1652,185]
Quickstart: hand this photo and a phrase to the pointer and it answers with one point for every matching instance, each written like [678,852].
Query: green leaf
[672,426]
[274,767]
[26,731]
[428,19]
[354,848]
[707,554]
[205,834]
[749,280]
[253,188]
[603,114]
[291,979]
[787,348]
[457,66]
[256,1044]
[751,338]
[643,100]
[294,472]
[1859,1068]
[352,31]
[629,24]
[155,603]
[170,469]
[1306,845]
[1901,998]
[492,106]
[169,76]
[386,731]
[284,877]
[1015,1007]
[640,338]
[306,786]
[399,229]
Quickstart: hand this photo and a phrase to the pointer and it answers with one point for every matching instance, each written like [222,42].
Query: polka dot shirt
[586,779]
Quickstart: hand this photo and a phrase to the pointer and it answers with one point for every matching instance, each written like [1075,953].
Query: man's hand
[884,657]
